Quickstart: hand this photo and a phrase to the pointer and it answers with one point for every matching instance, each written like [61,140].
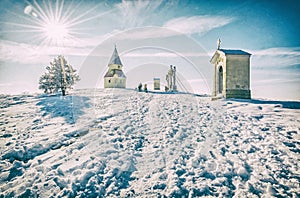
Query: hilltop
[120,143]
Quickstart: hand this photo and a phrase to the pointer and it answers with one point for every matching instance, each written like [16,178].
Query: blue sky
[150,36]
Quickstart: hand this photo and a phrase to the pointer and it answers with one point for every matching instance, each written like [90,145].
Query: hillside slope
[112,143]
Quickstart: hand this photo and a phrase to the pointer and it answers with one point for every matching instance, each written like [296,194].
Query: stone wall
[114,82]
[237,93]
[237,72]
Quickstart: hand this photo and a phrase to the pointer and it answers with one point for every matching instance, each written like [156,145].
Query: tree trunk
[63,91]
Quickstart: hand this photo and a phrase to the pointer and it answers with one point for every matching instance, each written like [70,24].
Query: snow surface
[121,143]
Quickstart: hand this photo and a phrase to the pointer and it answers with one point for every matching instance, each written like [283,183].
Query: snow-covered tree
[59,76]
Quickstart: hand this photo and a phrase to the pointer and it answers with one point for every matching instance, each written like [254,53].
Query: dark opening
[220,79]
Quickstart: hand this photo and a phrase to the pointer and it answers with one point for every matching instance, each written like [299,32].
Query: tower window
[108,81]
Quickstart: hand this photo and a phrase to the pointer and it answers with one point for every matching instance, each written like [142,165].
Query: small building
[114,77]
[156,83]
[231,74]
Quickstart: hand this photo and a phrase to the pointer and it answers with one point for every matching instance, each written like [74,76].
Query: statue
[171,79]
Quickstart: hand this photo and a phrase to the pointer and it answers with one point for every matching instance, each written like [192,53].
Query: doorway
[220,79]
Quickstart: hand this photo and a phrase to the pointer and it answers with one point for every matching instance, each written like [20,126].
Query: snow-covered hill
[121,143]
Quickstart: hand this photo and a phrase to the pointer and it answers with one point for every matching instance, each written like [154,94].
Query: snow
[120,143]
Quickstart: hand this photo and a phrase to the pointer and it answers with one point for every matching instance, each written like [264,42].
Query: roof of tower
[115,72]
[115,59]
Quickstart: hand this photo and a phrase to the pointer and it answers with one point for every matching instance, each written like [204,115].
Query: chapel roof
[227,52]
[234,52]
[115,59]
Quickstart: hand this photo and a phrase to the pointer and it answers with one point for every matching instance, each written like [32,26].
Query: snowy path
[123,143]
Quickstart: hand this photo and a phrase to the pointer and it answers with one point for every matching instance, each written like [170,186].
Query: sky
[150,36]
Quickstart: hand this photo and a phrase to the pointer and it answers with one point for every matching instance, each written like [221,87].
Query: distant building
[114,77]
[231,73]
[156,83]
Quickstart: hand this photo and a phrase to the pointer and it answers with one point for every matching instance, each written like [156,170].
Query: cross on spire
[219,43]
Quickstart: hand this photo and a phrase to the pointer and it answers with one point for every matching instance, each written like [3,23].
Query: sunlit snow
[121,143]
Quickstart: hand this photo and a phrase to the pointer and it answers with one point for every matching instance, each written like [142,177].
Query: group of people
[140,87]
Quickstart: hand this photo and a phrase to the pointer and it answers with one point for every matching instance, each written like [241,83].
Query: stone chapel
[231,74]
[114,77]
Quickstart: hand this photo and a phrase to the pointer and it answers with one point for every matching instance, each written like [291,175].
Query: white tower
[114,77]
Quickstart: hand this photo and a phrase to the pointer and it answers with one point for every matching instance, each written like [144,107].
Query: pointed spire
[115,59]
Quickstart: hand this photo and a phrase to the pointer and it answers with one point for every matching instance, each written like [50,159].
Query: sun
[56,32]
[57,23]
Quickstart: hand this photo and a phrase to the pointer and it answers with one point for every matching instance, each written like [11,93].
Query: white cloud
[146,33]
[135,13]
[277,51]
[276,57]
[272,76]
[21,53]
[34,54]
[197,24]
[166,54]
[272,81]
[92,41]
[5,84]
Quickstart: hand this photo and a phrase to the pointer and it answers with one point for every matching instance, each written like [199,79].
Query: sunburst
[54,22]
[56,31]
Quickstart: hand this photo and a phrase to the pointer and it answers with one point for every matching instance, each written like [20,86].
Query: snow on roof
[115,59]
[235,52]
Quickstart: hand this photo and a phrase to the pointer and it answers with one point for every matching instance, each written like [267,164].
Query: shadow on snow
[283,104]
[68,107]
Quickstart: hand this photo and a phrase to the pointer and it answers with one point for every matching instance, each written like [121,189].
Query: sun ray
[36,21]
[56,9]
[78,33]
[69,12]
[84,14]
[50,10]
[46,10]
[21,25]
[61,10]
[91,18]
[40,11]
[3,31]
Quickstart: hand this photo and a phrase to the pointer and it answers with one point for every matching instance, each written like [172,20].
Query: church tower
[231,73]
[114,77]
